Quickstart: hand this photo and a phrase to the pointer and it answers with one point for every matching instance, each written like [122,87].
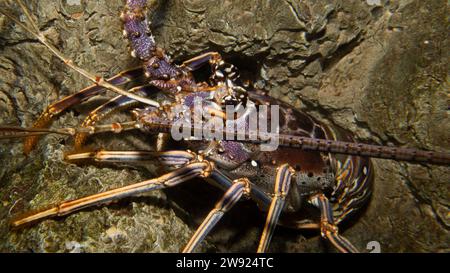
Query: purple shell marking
[137,30]
[160,68]
[234,150]
[189,99]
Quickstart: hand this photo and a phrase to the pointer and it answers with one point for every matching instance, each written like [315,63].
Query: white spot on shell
[365,170]
[219,74]
[254,163]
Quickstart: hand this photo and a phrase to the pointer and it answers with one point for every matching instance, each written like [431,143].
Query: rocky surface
[378,68]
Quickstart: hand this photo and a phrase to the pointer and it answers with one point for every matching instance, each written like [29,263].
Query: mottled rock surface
[378,68]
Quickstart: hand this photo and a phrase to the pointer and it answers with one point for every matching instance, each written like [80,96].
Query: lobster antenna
[96,79]
[320,145]
[299,142]
[9,132]
[28,15]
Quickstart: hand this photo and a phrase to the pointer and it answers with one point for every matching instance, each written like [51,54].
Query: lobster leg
[229,199]
[233,189]
[197,168]
[35,32]
[115,104]
[220,69]
[168,158]
[220,180]
[328,229]
[197,62]
[282,185]
[46,118]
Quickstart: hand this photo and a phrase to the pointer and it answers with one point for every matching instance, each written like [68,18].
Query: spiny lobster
[318,168]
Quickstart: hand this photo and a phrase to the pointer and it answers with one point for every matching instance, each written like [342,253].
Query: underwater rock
[377,68]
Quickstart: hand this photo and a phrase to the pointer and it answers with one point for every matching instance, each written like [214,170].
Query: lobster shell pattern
[353,175]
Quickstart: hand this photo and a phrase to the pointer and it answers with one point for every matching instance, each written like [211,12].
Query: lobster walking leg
[328,229]
[168,158]
[282,185]
[219,68]
[183,174]
[100,81]
[220,180]
[197,62]
[46,118]
[234,189]
[115,104]
[229,199]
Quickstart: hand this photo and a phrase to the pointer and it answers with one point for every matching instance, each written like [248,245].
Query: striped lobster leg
[197,62]
[230,198]
[328,228]
[193,167]
[282,185]
[113,105]
[46,118]
[168,158]
[220,70]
